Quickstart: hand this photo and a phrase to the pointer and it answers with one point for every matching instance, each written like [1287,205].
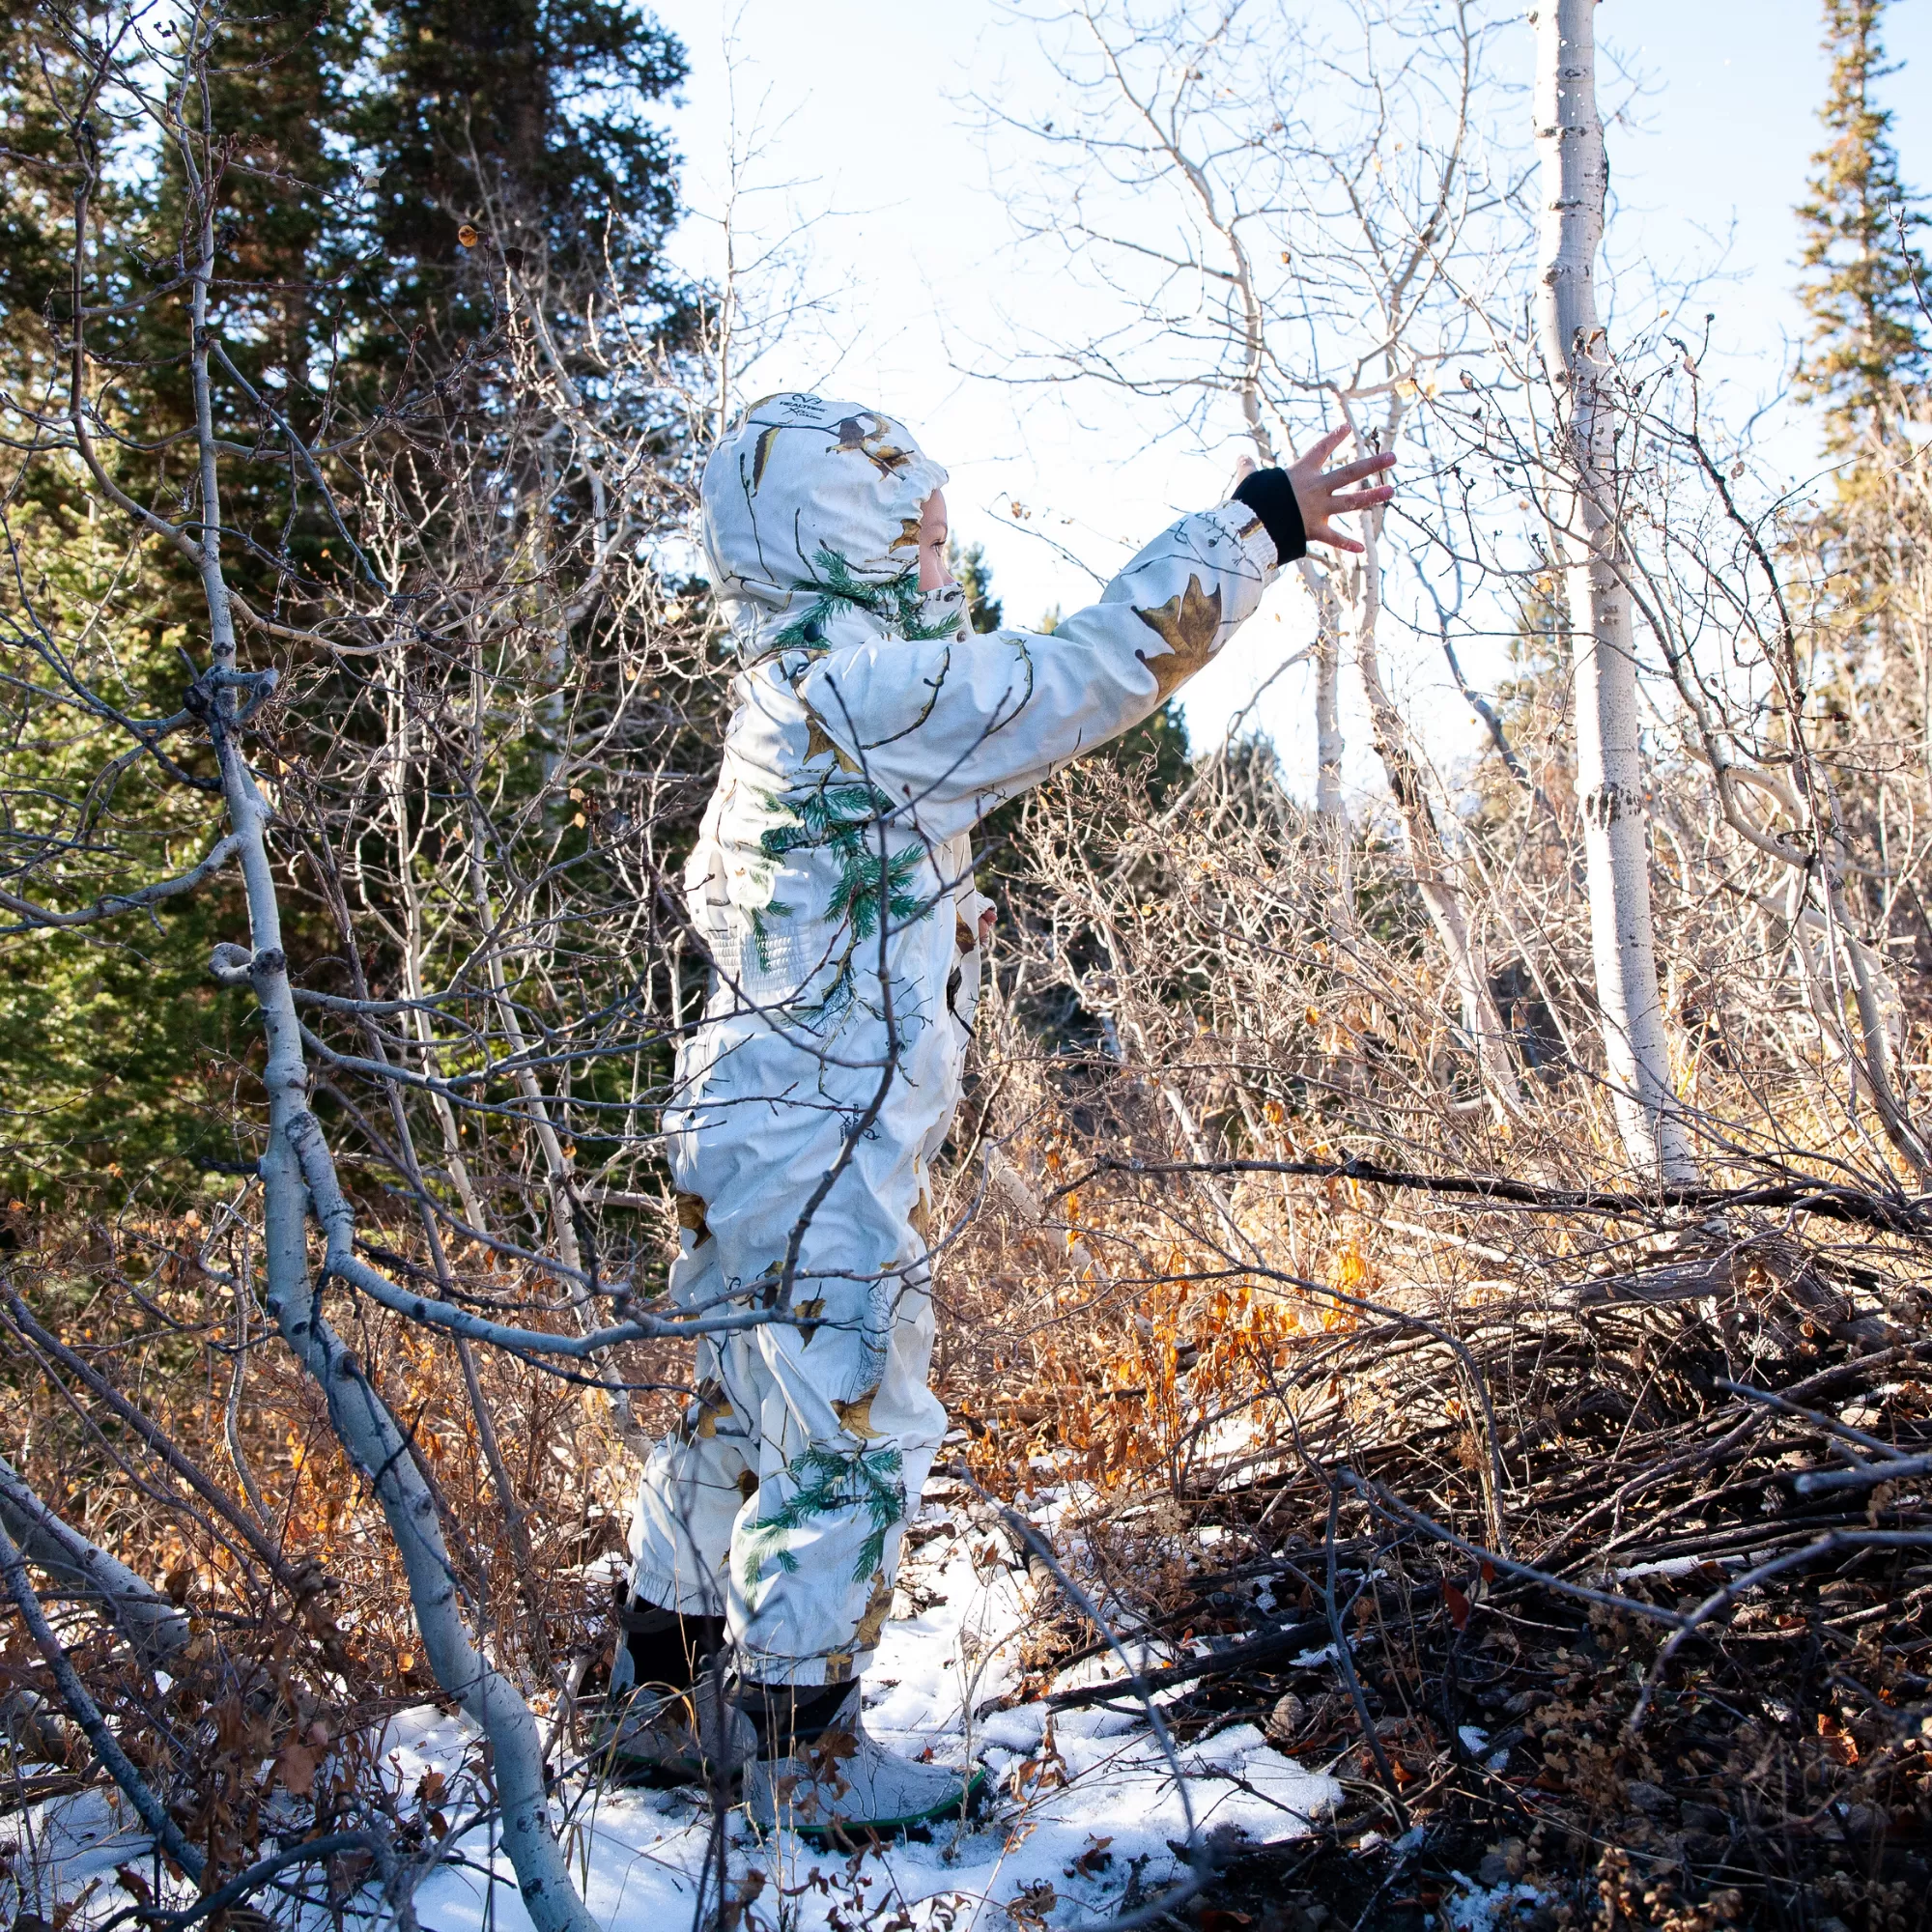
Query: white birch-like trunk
[1482,1023]
[361,1420]
[1422,839]
[1331,810]
[156,1629]
[1610,767]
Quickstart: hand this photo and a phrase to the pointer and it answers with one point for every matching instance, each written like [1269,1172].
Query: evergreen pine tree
[35,186]
[1865,277]
[528,116]
[1864,366]
[984,611]
[353,137]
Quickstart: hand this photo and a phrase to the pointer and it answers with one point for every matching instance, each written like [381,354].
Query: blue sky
[871,154]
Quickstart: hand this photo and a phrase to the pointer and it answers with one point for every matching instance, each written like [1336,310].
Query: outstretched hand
[1324,496]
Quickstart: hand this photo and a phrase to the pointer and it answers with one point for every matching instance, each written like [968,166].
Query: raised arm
[950,727]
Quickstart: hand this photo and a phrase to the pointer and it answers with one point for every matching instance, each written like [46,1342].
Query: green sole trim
[847,1826]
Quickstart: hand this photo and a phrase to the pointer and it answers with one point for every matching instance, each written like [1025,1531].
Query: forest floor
[1080,1817]
[1660,1657]
[1517,1797]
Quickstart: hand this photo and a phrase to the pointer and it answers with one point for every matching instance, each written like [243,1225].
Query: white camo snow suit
[832,884]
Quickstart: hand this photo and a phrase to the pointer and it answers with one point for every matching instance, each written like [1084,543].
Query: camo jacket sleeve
[948,727]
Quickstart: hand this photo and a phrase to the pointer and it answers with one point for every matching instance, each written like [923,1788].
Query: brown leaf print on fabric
[700,1419]
[1188,625]
[855,1419]
[817,741]
[809,1323]
[878,1607]
[859,441]
[908,536]
[761,452]
[691,1217]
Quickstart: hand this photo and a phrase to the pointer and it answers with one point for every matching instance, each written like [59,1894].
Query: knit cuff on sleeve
[1270,496]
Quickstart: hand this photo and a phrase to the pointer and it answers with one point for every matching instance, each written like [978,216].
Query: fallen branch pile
[1613,1589]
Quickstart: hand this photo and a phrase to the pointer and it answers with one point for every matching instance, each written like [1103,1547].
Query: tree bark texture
[1422,837]
[363,1421]
[1610,768]
[156,1629]
[1331,809]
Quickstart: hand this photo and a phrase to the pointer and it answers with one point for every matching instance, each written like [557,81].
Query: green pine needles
[844,817]
[1864,278]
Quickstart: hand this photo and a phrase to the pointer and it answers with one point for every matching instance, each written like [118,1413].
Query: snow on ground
[1083,1803]
[67,1849]
[1083,1813]
[1482,1907]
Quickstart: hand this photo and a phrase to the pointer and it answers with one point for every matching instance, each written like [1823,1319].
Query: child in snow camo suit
[833,885]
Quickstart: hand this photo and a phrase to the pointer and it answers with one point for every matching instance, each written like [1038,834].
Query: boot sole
[835,1829]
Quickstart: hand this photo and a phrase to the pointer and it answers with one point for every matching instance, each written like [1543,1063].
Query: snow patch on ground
[1486,1908]
[1084,1804]
[66,1844]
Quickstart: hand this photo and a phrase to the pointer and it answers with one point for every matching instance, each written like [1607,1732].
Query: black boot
[662,1721]
[669,1650]
[788,1717]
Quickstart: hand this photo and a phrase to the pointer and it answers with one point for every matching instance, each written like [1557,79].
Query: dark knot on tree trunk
[1607,804]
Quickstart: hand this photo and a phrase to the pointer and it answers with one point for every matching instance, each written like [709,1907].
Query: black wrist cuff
[1270,496]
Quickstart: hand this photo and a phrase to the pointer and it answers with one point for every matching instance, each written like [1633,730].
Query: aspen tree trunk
[1422,839]
[362,1422]
[295,1162]
[1331,810]
[1609,771]
[157,1629]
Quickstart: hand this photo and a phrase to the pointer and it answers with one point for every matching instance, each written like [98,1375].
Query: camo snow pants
[780,1500]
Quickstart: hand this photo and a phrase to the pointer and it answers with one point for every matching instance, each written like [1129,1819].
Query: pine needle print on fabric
[830,1482]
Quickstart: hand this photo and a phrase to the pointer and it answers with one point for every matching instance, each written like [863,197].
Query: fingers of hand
[1319,453]
[1362,499]
[1327,533]
[1351,472]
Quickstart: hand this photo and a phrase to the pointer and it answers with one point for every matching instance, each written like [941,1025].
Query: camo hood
[811,522]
